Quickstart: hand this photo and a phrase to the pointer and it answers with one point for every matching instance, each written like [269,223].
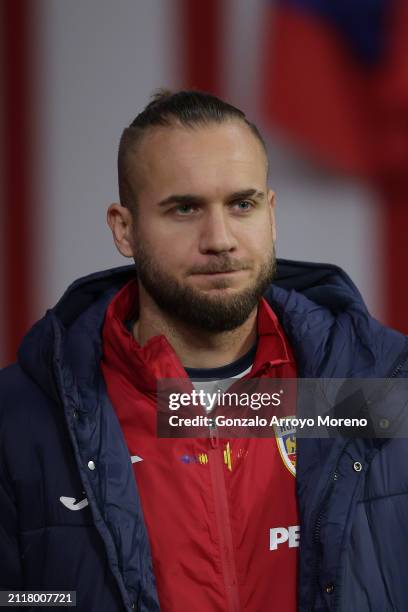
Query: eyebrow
[188,198]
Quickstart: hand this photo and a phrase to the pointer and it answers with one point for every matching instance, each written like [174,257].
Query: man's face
[203,238]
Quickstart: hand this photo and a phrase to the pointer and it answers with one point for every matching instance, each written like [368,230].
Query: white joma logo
[72,504]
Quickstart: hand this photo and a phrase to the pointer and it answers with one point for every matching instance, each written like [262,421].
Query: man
[94,502]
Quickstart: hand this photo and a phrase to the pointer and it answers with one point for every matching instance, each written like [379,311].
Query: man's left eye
[243,205]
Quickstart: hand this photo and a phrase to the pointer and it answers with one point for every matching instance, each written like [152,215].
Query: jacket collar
[157,359]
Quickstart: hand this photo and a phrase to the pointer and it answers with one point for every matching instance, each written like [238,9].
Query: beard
[195,307]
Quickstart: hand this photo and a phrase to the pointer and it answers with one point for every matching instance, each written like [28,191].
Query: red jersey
[221,514]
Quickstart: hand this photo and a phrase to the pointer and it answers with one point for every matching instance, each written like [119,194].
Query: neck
[195,348]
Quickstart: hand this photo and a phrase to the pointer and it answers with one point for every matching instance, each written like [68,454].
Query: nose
[216,234]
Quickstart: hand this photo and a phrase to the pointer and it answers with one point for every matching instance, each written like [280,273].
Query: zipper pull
[214,438]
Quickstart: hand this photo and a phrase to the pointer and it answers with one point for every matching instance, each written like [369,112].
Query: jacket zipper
[323,505]
[399,367]
[316,531]
[226,547]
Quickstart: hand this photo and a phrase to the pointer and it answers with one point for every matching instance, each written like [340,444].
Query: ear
[271,202]
[121,223]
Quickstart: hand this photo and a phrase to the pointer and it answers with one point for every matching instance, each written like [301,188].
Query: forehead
[200,159]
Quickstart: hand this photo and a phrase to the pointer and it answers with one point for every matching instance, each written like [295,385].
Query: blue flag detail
[362,23]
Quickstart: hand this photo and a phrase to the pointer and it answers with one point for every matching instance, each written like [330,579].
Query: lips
[220,276]
[216,272]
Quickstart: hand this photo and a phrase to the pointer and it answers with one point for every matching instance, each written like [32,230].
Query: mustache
[223,265]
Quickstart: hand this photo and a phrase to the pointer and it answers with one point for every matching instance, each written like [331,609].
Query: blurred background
[327,83]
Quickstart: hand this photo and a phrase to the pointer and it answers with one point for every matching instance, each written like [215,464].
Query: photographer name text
[274,421]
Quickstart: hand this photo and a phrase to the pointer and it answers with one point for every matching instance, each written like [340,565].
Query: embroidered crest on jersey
[286,441]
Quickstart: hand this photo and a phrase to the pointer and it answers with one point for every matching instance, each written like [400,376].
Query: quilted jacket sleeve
[10,564]
[10,561]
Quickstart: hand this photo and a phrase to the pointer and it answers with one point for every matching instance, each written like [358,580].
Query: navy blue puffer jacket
[56,418]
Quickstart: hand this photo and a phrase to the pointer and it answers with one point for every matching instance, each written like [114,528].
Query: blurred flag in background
[337,84]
